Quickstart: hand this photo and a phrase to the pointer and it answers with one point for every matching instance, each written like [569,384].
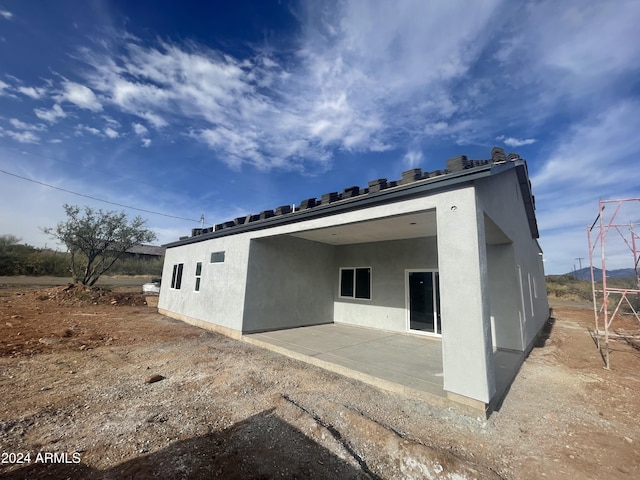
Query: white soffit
[414,225]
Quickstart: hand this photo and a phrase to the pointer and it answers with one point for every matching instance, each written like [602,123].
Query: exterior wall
[500,198]
[273,280]
[467,353]
[222,285]
[504,295]
[388,261]
[290,283]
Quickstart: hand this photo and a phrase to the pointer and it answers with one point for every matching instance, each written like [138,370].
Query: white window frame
[176,276]
[407,301]
[198,277]
[354,283]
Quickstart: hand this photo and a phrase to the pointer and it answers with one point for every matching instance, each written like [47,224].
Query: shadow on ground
[260,447]
[545,333]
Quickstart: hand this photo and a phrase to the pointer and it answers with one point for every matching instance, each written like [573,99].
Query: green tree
[7,241]
[97,239]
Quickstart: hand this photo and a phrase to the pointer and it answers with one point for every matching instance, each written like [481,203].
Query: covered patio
[403,363]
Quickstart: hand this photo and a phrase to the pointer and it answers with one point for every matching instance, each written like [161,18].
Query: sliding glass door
[423,302]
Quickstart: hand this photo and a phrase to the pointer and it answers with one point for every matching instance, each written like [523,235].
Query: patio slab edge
[473,409]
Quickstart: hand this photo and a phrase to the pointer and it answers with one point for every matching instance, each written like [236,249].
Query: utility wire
[98,199]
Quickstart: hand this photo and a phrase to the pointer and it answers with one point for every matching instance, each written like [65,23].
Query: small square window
[217,257]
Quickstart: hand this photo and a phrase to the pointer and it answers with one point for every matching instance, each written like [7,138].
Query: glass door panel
[424,302]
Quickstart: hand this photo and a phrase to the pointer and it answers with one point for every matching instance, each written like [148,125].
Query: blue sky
[228,108]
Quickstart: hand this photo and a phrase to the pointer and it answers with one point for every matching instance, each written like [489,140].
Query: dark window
[217,257]
[176,277]
[355,283]
[346,282]
[198,275]
[363,283]
[173,276]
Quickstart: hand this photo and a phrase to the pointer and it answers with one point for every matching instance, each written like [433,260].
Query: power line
[98,199]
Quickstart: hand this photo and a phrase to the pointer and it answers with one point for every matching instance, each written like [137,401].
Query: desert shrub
[568,287]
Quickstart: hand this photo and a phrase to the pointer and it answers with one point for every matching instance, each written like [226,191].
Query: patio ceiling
[413,225]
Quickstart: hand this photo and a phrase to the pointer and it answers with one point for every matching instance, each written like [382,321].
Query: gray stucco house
[451,254]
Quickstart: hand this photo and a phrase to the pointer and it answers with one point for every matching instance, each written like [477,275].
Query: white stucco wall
[500,198]
[290,283]
[388,261]
[222,285]
[467,352]
[504,295]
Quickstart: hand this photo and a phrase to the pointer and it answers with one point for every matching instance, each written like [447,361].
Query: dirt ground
[97,384]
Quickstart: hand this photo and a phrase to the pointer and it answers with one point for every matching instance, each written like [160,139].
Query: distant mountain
[585,273]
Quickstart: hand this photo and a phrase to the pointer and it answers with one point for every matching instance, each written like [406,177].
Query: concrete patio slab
[404,363]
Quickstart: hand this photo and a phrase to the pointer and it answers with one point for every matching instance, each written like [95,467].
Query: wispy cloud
[6,14]
[111,133]
[413,158]
[140,129]
[22,137]
[350,86]
[81,96]
[26,126]
[52,115]
[142,132]
[4,88]
[594,153]
[591,161]
[80,129]
[515,142]
[33,92]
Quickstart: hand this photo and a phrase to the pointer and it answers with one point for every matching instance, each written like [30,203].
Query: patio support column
[467,353]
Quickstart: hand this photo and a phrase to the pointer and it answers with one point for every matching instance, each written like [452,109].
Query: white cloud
[81,96]
[52,115]
[413,158]
[26,126]
[436,128]
[550,60]
[566,37]
[139,129]
[112,122]
[111,133]
[515,142]
[146,142]
[3,88]
[6,14]
[85,128]
[352,84]
[33,92]
[22,137]
[590,162]
[594,152]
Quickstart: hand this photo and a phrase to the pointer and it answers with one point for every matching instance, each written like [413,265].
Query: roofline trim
[388,195]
